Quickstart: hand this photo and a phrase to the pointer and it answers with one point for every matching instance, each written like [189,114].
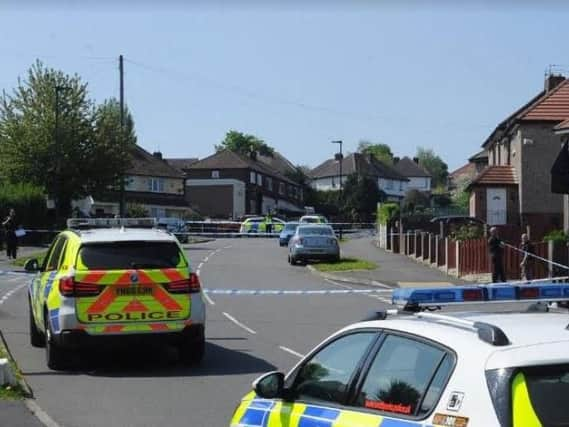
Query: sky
[298,74]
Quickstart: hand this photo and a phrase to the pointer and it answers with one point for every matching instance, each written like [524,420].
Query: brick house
[150,182]
[230,185]
[326,176]
[515,187]
[466,173]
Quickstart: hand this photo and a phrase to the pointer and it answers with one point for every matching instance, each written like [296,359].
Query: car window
[399,376]
[327,374]
[320,231]
[127,255]
[55,254]
[291,227]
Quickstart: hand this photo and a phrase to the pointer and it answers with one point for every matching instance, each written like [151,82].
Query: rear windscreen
[320,231]
[129,255]
[548,389]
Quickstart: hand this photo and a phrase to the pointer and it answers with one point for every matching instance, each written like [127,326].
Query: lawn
[20,261]
[346,264]
[11,392]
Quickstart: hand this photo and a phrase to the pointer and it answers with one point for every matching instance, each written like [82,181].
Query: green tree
[360,197]
[245,144]
[381,152]
[460,195]
[415,199]
[434,164]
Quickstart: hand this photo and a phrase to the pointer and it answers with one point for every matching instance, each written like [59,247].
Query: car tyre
[37,338]
[291,260]
[192,351]
[55,357]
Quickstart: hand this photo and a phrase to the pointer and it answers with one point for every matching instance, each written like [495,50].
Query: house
[419,178]
[515,187]
[230,185]
[149,182]
[466,173]
[182,164]
[560,171]
[326,176]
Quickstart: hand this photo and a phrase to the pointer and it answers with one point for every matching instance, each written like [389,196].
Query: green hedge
[556,236]
[28,201]
[387,212]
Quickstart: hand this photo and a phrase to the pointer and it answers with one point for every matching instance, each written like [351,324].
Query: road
[246,336]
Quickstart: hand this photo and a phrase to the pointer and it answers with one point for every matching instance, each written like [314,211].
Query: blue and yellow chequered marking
[49,284]
[54,319]
[267,413]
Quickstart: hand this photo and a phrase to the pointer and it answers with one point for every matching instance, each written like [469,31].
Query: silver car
[314,241]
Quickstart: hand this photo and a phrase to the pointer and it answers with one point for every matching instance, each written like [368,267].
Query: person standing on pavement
[269,223]
[9,225]
[527,260]
[496,250]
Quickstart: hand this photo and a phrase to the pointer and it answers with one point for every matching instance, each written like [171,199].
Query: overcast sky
[403,73]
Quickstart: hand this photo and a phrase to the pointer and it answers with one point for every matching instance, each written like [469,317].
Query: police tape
[293,291]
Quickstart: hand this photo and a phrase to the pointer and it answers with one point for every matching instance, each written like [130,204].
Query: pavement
[393,270]
[15,413]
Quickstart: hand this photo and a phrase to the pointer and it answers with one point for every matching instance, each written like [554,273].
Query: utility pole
[340,157]
[121,137]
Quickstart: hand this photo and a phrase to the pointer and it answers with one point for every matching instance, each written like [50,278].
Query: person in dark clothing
[527,260]
[11,240]
[495,247]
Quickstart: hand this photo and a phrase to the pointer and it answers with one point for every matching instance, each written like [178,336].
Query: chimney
[253,155]
[552,81]
[395,160]
[416,160]
[157,154]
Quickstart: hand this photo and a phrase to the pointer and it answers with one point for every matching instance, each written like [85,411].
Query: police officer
[495,248]
[11,239]
[269,223]
[527,260]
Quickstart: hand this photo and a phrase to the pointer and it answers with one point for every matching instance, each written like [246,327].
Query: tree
[245,144]
[434,164]
[360,197]
[415,199]
[381,152]
[65,158]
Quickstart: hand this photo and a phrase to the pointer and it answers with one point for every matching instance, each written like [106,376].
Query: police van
[415,367]
[105,279]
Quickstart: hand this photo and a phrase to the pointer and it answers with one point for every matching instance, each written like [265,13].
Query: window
[252,177]
[400,185]
[54,260]
[326,376]
[156,185]
[215,174]
[129,183]
[269,182]
[259,180]
[389,184]
[282,188]
[398,378]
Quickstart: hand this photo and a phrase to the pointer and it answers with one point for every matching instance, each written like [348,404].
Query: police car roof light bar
[84,223]
[419,299]
[486,332]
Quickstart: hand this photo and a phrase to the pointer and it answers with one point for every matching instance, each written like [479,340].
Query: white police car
[419,368]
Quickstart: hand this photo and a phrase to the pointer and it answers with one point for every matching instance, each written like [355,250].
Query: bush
[557,236]
[467,232]
[387,212]
[29,202]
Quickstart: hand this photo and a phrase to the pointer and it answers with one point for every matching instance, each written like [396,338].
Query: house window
[259,180]
[269,182]
[282,188]
[400,185]
[389,184]
[129,183]
[215,174]
[156,185]
[300,194]
[252,178]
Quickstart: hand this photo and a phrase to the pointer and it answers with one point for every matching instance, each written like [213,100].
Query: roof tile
[501,175]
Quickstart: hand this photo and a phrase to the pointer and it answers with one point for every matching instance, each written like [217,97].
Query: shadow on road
[148,361]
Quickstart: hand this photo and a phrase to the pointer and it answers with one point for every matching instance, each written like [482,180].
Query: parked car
[287,232]
[313,219]
[259,225]
[176,226]
[315,241]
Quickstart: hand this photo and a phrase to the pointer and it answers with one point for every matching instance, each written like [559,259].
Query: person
[527,260]
[11,240]
[495,247]
[269,223]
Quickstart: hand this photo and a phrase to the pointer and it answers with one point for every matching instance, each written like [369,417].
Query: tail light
[68,287]
[187,286]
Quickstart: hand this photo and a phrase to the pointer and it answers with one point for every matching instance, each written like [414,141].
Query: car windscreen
[290,227]
[548,388]
[319,231]
[128,255]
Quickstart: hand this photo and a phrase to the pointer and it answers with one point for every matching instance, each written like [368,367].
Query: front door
[496,204]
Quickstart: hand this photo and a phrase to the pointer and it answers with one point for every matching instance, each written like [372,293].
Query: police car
[114,282]
[419,368]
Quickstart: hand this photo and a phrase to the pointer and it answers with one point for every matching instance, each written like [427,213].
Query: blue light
[502,292]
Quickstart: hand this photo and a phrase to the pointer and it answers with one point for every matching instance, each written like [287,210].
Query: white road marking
[200,265]
[40,414]
[238,323]
[288,350]
[227,247]
[10,293]
[206,259]
[208,299]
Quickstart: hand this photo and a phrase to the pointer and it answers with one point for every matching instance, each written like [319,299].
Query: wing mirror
[32,265]
[270,385]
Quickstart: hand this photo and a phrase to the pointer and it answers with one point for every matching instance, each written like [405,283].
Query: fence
[470,258]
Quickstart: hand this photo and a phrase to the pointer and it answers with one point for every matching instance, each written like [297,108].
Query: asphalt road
[246,336]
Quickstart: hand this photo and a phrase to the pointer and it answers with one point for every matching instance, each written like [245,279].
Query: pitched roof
[467,169]
[410,168]
[144,163]
[563,126]
[226,159]
[356,163]
[501,175]
[480,156]
[553,106]
[278,162]
[182,164]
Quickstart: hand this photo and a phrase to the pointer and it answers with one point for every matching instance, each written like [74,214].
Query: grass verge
[20,261]
[346,264]
[15,392]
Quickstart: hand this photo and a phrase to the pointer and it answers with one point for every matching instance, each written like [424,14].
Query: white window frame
[259,180]
[156,185]
[253,178]
[389,184]
[269,181]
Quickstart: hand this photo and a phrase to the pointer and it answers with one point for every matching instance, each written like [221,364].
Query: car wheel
[291,260]
[192,351]
[55,357]
[37,338]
